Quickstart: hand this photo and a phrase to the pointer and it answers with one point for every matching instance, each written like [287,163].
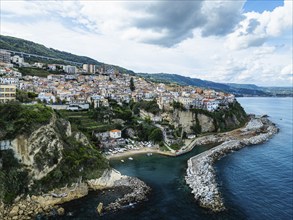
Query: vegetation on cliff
[22,119]
[80,162]
[149,106]
[72,158]
[13,177]
[224,119]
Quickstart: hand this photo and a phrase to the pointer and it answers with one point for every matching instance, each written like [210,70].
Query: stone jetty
[113,178]
[201,176]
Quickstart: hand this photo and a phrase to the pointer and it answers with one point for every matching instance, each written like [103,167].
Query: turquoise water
[256,182]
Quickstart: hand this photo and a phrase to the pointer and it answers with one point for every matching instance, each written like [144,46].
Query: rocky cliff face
[41,151]
[201,121]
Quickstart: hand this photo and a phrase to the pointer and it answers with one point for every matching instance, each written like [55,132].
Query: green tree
[156,135]
[132,87]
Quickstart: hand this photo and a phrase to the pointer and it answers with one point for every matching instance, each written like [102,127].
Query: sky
[239,41]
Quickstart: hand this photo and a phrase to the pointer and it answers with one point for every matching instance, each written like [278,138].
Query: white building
[69,69]
[186,101]
[9,80]
[17,59]
[115,133]
[211,104]
[103,135]
[52,67]
[47,97]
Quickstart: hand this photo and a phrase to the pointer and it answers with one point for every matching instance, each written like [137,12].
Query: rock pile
[139,191]
[46,204]
[200,172]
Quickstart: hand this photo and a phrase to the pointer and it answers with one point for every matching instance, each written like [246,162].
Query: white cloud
[106,31]
[257,28]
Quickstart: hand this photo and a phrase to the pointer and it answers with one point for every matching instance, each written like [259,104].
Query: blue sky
[224,41]
[262,5]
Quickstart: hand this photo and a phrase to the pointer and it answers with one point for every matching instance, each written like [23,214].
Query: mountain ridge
[26,46]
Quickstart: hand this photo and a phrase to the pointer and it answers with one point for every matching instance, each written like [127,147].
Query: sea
[256,182]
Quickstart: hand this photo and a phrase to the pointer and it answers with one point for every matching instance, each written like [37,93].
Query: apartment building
[5,56]
[7,93]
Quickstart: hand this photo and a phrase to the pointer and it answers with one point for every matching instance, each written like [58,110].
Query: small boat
[149,154]
[130,158]
[69,214]
[122,161]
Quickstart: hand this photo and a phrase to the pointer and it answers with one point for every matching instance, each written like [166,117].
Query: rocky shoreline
[201,176]
[112,178]
[49,204]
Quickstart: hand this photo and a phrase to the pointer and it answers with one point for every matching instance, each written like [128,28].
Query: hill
[236,89]
[25,46]
[16,44]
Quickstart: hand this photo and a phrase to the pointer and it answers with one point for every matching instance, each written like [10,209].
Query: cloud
[141,36]
[287,71]
[173,20]
[222,17]
[258,28]
[163,23]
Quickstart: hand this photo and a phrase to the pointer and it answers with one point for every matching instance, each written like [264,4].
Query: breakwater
[201,176]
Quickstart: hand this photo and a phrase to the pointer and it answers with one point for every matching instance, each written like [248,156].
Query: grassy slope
[17,44]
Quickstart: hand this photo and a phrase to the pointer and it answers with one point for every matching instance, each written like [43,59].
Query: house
[17,59]
[78,105]
[115,133]
[186,101]
[9,80]
[5,145]
[211,104]
[103,135]
[47,97]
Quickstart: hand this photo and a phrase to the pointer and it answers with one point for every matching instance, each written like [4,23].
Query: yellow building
[7,93]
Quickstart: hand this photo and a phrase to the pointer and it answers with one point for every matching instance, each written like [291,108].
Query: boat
[69,214]
[149,154]
[122,161]
[130,158]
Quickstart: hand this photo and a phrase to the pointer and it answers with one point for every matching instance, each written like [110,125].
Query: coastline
[247,135]
[201,176]
[143,150]
[50,204]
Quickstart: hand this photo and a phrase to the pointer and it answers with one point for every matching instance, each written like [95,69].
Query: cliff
[200,121]
[40,151]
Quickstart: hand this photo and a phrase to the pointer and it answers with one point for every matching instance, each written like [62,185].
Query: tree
[132,87]
[156,135]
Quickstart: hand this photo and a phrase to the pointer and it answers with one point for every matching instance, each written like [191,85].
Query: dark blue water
[256,182]
[259,179]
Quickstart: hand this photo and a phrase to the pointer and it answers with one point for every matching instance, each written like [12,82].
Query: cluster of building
[104,83]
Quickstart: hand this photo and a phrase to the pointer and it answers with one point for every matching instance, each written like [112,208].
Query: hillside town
[77,87]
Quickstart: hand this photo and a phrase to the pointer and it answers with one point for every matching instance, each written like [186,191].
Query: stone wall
[200,172]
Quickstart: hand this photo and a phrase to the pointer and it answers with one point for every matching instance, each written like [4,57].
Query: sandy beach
[143,150]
